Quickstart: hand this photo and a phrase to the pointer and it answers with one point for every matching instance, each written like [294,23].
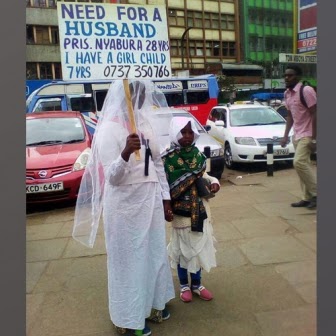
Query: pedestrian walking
[133,195]
[191,247]
[302,117]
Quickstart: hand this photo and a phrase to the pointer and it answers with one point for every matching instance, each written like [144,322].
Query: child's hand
[168,212]
[214,187]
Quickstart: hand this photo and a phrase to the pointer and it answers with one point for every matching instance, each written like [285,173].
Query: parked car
[205,140]
[282,110]
[57,150]
[245,131]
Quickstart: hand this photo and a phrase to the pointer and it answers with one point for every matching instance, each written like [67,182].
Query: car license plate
[281,151]
[44,187]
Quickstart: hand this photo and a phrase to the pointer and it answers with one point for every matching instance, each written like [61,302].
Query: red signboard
[307,26]
[307,43]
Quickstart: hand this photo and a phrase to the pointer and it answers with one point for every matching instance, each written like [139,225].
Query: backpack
[302,98]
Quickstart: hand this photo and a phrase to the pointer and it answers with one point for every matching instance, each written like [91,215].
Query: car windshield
[49,131]
[164,122]
[255,117]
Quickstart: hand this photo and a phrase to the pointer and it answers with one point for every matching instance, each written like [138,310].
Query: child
[191,245]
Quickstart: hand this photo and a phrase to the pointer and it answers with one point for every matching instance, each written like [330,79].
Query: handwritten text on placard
[110,41]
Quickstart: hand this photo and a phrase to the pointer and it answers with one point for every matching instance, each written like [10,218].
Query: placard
[113,41]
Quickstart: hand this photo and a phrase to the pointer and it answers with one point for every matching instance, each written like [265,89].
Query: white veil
[146,101]
[176,126]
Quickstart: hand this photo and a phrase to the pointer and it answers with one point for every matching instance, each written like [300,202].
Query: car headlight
[82,160]
[245,141]
[217,152]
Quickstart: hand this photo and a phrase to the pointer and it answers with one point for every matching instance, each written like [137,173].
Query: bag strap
[302,98]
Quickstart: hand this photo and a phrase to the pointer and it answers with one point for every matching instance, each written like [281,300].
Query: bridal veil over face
[146,101]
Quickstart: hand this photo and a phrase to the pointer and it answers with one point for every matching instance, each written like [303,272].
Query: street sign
[296,58]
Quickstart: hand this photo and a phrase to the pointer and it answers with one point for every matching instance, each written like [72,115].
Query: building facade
[267,29]
[200,31]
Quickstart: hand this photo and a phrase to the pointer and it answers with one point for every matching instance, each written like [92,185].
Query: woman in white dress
[191,246]
[133,195]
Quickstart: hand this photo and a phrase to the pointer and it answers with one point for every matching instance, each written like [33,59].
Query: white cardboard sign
[113,41]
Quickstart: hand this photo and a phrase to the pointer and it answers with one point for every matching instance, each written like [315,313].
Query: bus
[196,94]
[246,79]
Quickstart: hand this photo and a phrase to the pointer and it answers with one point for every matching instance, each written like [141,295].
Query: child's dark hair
[296,68]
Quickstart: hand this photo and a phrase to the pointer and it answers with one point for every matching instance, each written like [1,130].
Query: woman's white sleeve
[165,192]
[110,148]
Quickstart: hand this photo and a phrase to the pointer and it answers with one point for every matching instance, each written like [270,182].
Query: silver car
[205,140]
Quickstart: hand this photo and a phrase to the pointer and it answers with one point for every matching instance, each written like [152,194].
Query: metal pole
[207,153]
[270,159]
[182,45]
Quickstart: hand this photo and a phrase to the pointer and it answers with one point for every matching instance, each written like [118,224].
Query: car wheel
[228,157]
[289,163]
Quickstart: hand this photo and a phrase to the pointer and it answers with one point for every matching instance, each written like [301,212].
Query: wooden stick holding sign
[130,112]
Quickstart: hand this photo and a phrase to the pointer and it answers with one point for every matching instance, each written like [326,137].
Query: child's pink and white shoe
[185,294]
[203,293]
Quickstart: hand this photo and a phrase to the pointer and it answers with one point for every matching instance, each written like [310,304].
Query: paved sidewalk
[264,285]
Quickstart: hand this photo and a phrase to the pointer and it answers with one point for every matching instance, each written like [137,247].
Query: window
[196,47]
[52,3]
[195,19]
[252,15]
[100,98]
[228,49]
[174,99]
[176,18]
[174,47]
[54,35]
[211,20]
[58,70]
[207,21]
[253,43]
[43,70]
[200,97]
[29,34]
[42,35]
[53,104]
[39,3]
[227,21]
[83,104]
[31,71]
[212,48]
[268,43]
[46,71]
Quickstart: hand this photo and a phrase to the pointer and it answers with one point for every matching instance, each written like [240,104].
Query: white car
[216,164]
[245,130]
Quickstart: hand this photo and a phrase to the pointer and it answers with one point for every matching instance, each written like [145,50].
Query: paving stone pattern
[264,283]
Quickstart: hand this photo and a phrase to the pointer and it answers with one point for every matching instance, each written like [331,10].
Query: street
[264,283]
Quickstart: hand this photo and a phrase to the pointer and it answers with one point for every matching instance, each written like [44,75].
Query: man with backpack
[300,101]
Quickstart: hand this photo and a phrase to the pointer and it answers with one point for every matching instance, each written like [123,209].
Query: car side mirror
[219,123]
